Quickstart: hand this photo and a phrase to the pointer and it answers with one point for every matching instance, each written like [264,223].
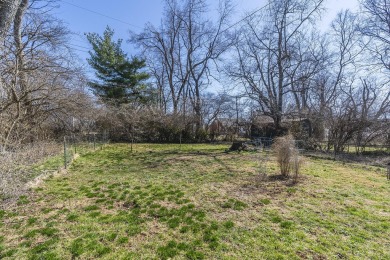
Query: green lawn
[159,202]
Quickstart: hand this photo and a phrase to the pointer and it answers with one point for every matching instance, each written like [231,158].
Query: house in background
[263,126]
[229,129]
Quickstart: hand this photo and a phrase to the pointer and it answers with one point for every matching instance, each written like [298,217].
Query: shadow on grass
[221,163]
[276,184]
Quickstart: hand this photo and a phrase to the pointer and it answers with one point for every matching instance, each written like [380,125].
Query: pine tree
[119,79]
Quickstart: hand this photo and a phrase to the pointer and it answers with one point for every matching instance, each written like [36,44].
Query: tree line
[40,87]
[275,67]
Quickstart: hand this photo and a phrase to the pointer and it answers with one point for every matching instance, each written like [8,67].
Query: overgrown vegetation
[198,202]
[24,164]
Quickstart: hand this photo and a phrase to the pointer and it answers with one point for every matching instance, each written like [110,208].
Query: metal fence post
[131,146]
[65,151]
[74,143]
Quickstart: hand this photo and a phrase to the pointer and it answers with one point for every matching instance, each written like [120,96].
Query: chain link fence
[24,165]
[81,143]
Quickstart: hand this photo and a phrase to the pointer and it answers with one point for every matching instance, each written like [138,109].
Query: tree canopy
[120,79]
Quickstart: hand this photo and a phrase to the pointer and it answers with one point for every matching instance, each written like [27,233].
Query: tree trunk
[8,10]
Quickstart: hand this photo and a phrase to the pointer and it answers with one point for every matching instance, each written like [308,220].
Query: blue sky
[133,14]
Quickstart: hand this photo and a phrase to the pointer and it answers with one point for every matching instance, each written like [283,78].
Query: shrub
[287,156]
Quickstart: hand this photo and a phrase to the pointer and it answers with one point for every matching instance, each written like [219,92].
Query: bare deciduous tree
[376,25]
[37,75]
[341,50]
[182,51]
[8,9]
[371,104]
[272,49]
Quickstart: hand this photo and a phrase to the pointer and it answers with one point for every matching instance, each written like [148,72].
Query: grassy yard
[159,202]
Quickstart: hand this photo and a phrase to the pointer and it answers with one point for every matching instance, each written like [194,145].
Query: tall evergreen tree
[119,79]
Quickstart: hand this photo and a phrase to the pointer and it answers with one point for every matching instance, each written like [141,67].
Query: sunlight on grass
[198,202]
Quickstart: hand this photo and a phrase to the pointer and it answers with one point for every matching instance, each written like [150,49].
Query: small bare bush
[287,156]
